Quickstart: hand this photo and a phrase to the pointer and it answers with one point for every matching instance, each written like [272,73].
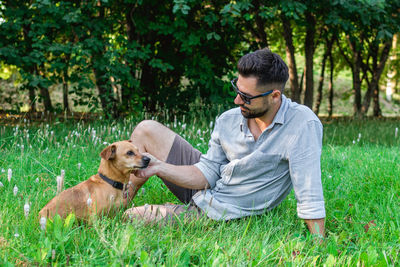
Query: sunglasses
[246,98]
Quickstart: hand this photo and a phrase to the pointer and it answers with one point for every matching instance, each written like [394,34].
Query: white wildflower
[37,180]
[143,190]
[9,175]
[53,254]
[15,190]
[43,221]
[89,202]
[16,235]
[105,143]
[26,209]
[1,184]
[79,166]
[354,141]
[60,184]
[396,131]
[3,170]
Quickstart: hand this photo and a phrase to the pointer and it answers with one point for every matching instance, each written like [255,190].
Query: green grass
[360,182]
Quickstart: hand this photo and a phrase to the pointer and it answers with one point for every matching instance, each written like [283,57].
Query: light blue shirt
[248,177]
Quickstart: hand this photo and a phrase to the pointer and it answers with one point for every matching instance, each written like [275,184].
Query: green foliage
[149,54]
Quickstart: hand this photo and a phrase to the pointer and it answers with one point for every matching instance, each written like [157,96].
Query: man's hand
[316,226]
[152,169]
[139,178]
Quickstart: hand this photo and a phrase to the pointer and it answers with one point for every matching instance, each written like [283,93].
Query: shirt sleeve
[211,162]
[305,171]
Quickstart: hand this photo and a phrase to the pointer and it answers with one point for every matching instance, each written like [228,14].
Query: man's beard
[251,114]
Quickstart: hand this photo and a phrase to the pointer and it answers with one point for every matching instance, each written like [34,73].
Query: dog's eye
[130,153]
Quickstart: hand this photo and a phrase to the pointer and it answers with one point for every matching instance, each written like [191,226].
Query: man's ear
[108,152]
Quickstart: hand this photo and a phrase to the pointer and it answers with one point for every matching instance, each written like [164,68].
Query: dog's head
[125,155]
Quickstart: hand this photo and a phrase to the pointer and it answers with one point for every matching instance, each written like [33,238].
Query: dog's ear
[108,152]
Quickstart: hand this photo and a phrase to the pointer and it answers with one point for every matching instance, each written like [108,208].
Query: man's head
[262,78]
[269,68]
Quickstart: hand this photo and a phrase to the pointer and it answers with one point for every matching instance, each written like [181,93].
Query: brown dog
[103,192]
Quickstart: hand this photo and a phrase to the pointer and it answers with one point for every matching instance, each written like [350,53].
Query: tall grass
[360,173]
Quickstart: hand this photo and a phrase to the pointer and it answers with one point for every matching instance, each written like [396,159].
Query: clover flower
[9,175]
[15,191]
[89,201]
[42,223]
[60,184]
[26,209]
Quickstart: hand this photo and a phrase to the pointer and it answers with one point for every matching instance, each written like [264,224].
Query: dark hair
[266,66]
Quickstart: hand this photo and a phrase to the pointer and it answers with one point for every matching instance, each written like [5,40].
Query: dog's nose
[145,160]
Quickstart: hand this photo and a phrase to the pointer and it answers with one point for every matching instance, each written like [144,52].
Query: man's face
[258,107]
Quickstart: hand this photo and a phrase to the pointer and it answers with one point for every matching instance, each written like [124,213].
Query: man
[256,154]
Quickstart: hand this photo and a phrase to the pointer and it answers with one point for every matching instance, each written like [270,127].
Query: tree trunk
[44,92]
[391,81]
[377,108]
[301,82]
[65,90]
[290,55]
[321,80]
[330,105]
[356,71]
[148,83]
[108,102]
[309,54]
[129,90]
[261,37]
[377,75]
[32,99]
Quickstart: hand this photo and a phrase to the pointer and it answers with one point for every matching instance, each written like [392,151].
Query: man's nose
[238,100]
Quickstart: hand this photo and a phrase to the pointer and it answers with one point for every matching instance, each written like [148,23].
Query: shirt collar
[279,117]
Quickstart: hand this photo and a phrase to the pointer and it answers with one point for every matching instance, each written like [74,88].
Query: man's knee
[145,128]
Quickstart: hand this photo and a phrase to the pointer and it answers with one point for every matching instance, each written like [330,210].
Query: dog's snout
[145,160]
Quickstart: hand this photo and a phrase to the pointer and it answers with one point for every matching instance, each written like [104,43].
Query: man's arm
[316,226]
[187,176]
[305,173]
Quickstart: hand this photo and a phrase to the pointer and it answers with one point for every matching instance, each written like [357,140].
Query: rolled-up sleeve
[305,171]
[211,162]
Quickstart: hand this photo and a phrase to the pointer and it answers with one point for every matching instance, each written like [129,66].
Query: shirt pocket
[227,171]
[259,165]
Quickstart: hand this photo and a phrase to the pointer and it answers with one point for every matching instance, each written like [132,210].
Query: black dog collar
[113,183]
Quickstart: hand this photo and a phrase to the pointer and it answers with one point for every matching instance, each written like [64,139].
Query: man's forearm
[316,226]
[187,176]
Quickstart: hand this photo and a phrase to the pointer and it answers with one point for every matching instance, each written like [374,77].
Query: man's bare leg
[152,137]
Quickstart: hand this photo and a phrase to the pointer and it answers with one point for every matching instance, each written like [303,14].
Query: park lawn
[360,171]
